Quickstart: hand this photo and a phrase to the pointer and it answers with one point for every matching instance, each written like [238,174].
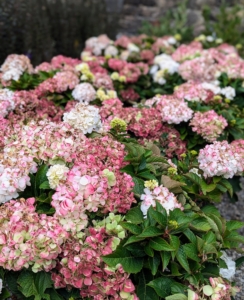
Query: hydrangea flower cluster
[6,102]
[81,267]
[173,111]
[220,159]
[84,117]
[208,124]
[28,239]
[14,66]
[160,194]
[163,65]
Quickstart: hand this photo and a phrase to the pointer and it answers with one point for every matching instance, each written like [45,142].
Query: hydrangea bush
[110,166]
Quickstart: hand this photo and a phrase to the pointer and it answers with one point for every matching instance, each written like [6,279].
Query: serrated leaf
[161,286]
[130,263]
[165,257]
[174,242]
[41,176]
[5,294]
[129,169]
[210,209]
[182,259]
[133,239]
[160,218]
[142,164]
[233,225]
[191,252]
[133,228]
[209,237]
[42,282]
[222,264]
[239,261]
[176,297]
[146,175]
[149,251]
[139,186]
[200,224]
[45,186]
[151,231]
[27,285]
[190,235]
[143,291]
[154,263]
[160,244]
[135,215]
[174,267]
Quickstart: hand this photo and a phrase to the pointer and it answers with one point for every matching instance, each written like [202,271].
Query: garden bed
[112,169]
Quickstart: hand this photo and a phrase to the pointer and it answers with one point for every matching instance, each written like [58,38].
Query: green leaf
[176,297]
[210,209]
[34,284]
[135,215]
[139,186]
[160,218]
[182,259]
[129,169]
[160,244]
[151,231]
[5,294]
[209,237]
[133,228]
[200,224]
[143,291]
[133,239]
[143,163]
[130,263]
[191,252]
[174,269]
[146,175]
[41,176]
[154,263]
[174,242]
[165,257]
[45,186]
[149,251]
[190,235]
[239,261]
[222,264]
[162,286]
[233,225]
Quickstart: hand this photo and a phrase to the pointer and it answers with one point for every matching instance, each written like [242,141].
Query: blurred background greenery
[44,28]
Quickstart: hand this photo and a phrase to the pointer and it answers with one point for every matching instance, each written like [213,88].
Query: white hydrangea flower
[228,92]
[228,273]
[132,48]
[159,77]
[84,93]
[111,50]
[166,63]
[6,101]
[12,180]
[55,174]
[212,87]
[160,194]
[195,171]
[171,40]
[84,117]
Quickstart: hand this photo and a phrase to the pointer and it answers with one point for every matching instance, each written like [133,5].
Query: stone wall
[135,11]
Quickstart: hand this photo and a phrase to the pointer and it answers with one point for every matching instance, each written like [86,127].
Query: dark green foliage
[173,22]
[226,24]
